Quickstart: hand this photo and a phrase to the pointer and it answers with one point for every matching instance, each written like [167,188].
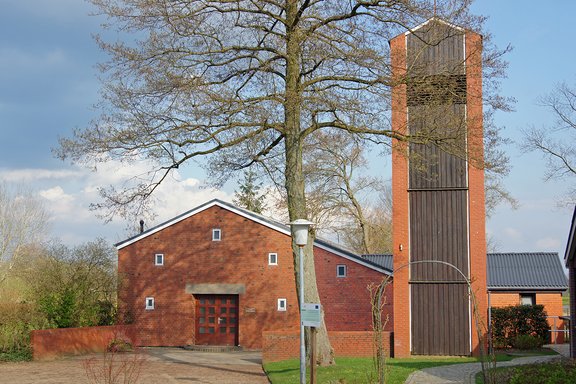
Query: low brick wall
[52,343]
[283,345]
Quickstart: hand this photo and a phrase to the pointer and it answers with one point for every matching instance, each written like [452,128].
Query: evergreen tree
[248,196]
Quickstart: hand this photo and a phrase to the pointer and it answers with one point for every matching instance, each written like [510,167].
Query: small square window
[159,259]
[281,304]
[149,303]
[216,234]
[527,299]
[341,270]
[272,259]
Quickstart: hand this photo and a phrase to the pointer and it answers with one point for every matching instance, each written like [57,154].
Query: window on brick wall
[272,259]
[341,270]
[149,303]
[216,234]
[527,299]
[159,259]
[281,304]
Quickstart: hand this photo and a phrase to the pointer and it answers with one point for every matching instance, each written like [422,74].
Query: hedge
[509,323]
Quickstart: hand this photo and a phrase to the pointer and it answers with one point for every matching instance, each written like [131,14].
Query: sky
[49,86]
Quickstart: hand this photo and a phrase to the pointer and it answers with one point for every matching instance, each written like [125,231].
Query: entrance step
[213,348]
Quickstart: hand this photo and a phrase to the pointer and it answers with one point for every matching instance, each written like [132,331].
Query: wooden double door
[216,319]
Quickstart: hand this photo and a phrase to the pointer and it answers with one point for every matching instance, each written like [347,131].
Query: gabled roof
[437,20]
[525,271]
[570,253]
[268,222]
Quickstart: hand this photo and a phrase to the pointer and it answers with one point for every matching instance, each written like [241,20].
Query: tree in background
[239,83]
[54,286]
[248,196]
[557,142]
[23,221]
[378,224]
[340,193]
[72,286]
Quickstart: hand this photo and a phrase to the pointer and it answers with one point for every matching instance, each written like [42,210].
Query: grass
[361,370]
[357,370]
[24,354]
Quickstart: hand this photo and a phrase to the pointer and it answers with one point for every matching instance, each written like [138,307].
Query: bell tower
[439,239]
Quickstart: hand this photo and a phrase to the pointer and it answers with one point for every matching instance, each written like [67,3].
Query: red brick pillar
[400,239]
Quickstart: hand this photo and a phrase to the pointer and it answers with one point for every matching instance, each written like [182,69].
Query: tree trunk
[294,177]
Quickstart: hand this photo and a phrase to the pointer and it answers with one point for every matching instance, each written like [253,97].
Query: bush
[528,342]
[549,373]
[508,323]
[16,322]
[119,345]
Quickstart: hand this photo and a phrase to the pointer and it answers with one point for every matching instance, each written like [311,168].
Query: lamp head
[300,231]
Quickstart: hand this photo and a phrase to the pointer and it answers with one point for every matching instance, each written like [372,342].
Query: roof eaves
[570,253]
[434,19]
[273,224]
[342,252]
[166,224]
[525,288]
[242,212]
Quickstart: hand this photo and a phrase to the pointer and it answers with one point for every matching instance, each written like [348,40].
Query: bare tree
[243,82]
[339,192]
[23,221]
[557,142]
[497,167]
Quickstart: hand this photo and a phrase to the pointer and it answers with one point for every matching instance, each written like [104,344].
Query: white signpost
[311,315]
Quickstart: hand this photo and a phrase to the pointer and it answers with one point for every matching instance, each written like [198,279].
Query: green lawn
[357,370]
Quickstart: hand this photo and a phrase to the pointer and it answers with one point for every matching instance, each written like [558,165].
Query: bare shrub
[114,367]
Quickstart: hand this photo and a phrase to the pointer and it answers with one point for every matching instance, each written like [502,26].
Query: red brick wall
[400,212]
[278,346]
[348,298]
[191,257]
[476,199]
[52,343]
[241,257]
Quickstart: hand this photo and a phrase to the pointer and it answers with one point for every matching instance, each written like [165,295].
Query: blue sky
[48,86]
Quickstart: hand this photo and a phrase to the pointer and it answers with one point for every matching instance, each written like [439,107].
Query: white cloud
[55,194]
[69,193]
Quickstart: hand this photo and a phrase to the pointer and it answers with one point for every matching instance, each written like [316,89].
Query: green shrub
[528,342]
[549,373]
[16,322]
[510,322]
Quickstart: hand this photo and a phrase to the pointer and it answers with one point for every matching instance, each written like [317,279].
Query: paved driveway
[157,366]
[212,367]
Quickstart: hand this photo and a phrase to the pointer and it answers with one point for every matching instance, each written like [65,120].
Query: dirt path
[155,365]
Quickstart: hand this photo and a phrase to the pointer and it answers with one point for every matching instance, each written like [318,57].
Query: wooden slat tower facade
[438,191]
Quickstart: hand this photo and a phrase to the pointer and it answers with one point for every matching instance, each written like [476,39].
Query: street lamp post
[300,233]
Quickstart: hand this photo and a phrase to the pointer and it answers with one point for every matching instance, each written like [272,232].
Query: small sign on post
[311,315]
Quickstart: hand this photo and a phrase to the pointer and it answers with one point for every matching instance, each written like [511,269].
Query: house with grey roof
[520,278]
[222,275]
[570,263]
